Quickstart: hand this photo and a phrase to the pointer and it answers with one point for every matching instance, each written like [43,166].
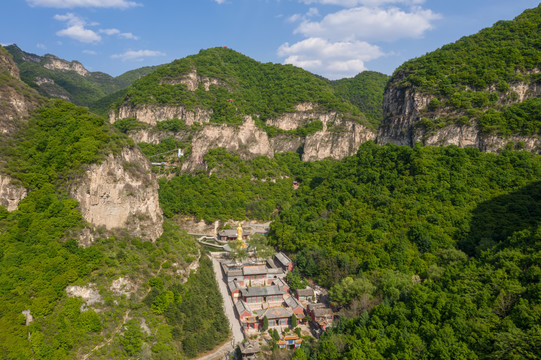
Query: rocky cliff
[339,137]
[51,62]
[404,109]
[121,192]
[151,114]
[17,100]
[10,194]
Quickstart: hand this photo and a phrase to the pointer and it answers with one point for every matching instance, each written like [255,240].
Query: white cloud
[138,55]
[372,24]
[110,31]
[66,4]
[76,29]
[353,3]
[312,12]
[89,52]
[41,46]
[332,59]
[220,1]
[126,35]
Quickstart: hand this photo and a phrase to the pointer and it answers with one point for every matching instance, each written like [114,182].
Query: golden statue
[239,236]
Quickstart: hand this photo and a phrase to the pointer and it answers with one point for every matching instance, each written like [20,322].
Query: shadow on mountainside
[494,221]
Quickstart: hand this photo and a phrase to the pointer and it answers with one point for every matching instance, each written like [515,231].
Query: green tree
[132,338]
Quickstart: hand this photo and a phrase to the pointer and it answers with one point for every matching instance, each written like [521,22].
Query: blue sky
[332,38]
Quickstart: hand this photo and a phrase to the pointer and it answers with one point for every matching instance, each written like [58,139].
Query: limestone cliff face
[17,100]
[10,194]
[336,142]
[151,114]
[192,81]
[404,107]
[470,136]
[7,64]
[54,63]
[121,192]
[248,140]
[401,109]
[338,138]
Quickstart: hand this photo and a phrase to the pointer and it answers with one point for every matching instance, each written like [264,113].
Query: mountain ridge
[54,77]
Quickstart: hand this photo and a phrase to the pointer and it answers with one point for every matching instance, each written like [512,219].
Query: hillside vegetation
[149,315]
[366,92]
[243,87]
[429,252]
[474,78]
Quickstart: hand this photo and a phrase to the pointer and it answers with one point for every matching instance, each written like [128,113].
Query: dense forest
[40,258]
[365,91]
[429,252]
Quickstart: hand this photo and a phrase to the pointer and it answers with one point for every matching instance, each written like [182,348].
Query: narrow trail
[119,327]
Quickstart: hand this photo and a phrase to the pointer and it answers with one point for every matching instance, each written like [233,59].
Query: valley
[410,202]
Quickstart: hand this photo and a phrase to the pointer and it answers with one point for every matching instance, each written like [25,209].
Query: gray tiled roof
[281,283]
[241,307]
[228,233]
[293,303]
[262,291]
[322,312]
[249,347]
[315,306]
[233,285]
[281,257]
[274,313]
[254,269]
[305,292]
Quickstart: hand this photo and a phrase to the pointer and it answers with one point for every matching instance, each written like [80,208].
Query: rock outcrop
[10,194]
[339,137]
[121,192]
[151,114]
[17,100]
[404,108]
[336,142]
[89,294]
[192,81]
[51,62]
[7,64]
[248,140]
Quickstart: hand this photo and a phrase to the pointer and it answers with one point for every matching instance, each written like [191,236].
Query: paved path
[219,353]
[238,336]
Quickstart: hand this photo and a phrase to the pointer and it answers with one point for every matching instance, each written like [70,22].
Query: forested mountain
[482,91]
[58,78]
[234,85]
[221,98]
[119,297]
[428,252]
